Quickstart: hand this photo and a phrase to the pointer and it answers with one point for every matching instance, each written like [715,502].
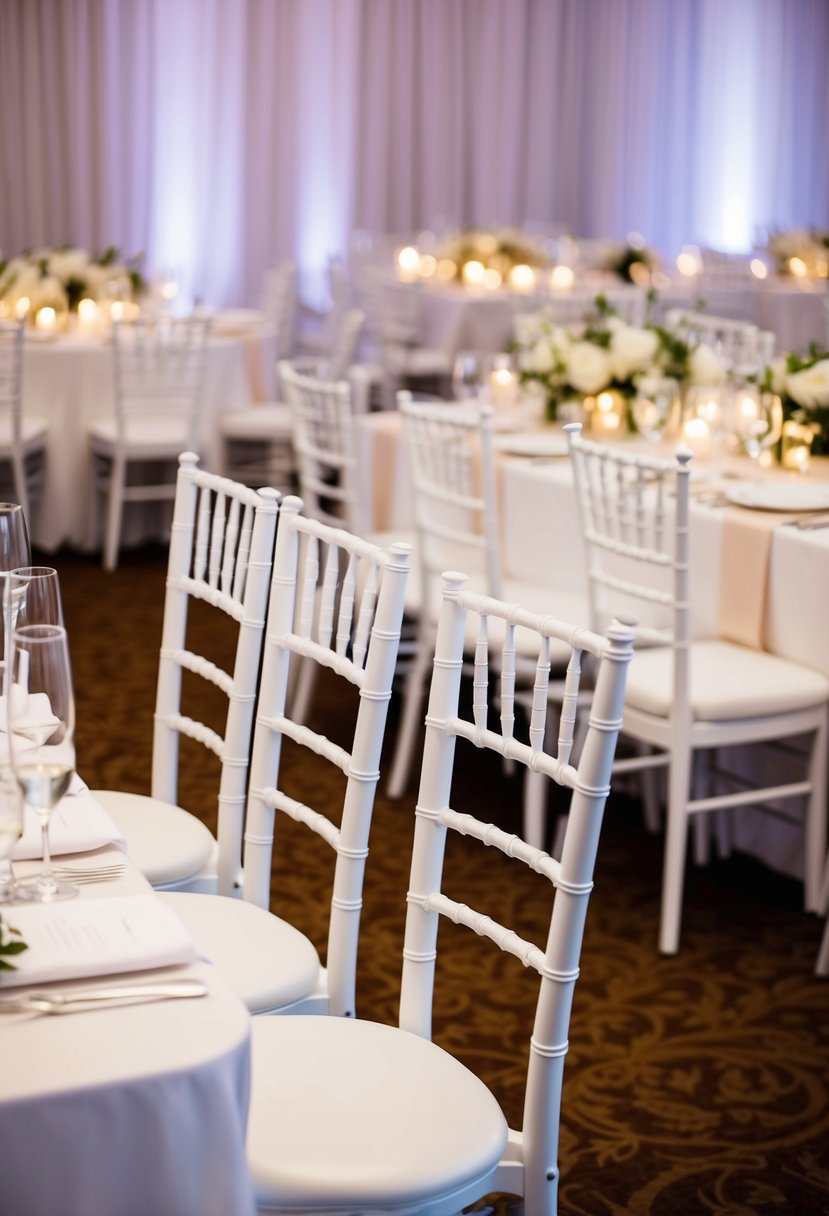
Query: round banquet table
[132,1110]
[69,382]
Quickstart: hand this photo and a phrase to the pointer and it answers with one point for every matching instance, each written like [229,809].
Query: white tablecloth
[542,542]
[792,309]
[135,1110]
[69,382]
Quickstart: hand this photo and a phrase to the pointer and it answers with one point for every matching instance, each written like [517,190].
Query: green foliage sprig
[11,944]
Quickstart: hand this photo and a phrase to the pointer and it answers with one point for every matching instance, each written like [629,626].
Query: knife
[100,997]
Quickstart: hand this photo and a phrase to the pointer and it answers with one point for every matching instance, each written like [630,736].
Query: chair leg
[822,964]
[115,509]
[701,823]
[815,826]
[676,843]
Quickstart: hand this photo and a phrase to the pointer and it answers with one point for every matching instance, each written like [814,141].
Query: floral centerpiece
[61,277]
[608,355]
[632,262]
[498,249]
[802,383]
[10,945]
[798,251]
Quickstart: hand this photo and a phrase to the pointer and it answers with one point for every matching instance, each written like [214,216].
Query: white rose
[542,357]
[68,264]
[705,367]
[811,386]
[588,367]
[632,349]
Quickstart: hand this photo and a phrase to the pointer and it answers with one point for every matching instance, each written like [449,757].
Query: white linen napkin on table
[96,937]
[78,824]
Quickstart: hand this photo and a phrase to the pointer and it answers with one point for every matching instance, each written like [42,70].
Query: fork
[99,873]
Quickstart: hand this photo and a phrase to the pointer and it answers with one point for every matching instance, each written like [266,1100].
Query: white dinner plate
[532,444]
[780,497]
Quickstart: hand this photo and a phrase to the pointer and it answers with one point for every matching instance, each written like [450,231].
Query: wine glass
[11,829]
[654,406]
[469,374]
[757,419]
[40,707]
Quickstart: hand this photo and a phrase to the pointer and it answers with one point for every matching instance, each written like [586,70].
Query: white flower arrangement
[498,249]
[799,251]
[802,383]
[60,277]
[608,355]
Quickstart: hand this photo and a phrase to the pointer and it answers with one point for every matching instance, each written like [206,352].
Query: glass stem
[46,875]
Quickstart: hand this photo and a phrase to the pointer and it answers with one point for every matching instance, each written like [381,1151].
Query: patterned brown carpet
[694,1085]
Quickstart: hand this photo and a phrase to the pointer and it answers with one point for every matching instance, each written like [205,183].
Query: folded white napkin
[96,937]
[34,721]
[77,824]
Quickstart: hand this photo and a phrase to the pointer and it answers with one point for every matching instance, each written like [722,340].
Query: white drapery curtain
[219,136]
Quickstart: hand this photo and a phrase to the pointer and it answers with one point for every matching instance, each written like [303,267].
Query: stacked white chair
[279,303]
[450,452]
[22,439]
[337,602]
[258,440]
[354,1116]
[159,379]
[689,698]
[221,553]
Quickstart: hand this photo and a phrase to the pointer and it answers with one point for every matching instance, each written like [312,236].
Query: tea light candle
[408,263]
[503,383]
[473,273]
[796,446]
[116,310]
[22,307]
[607,415]
[522,278]
[46,319]
[87,316]
[562,278]
[697,435]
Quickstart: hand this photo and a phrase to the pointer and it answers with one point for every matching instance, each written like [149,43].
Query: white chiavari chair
[337,602]
[258,440]
[159,379]
[688,698]
[221,554]
[356,1116]
[450,452]
[279,303]
[22,439]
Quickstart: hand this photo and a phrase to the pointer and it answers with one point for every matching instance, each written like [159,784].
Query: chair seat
[169,845]
[149,436]
[32,431]
[727,682]
[433,1131]
[269,421]
[267,962]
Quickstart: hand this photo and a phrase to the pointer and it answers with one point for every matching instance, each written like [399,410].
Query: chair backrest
[336,601]
[279,303]
[221,553]
[450,453]
[11,377]
[323,436]
[634,518]
[344,343]
[740,344]
[532,1169]
[159,373]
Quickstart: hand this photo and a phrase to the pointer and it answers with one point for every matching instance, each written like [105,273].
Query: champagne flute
[14,549]
[41,721]
[757,419]
[655,405]
[34,596]
[11,829]
[469,374]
